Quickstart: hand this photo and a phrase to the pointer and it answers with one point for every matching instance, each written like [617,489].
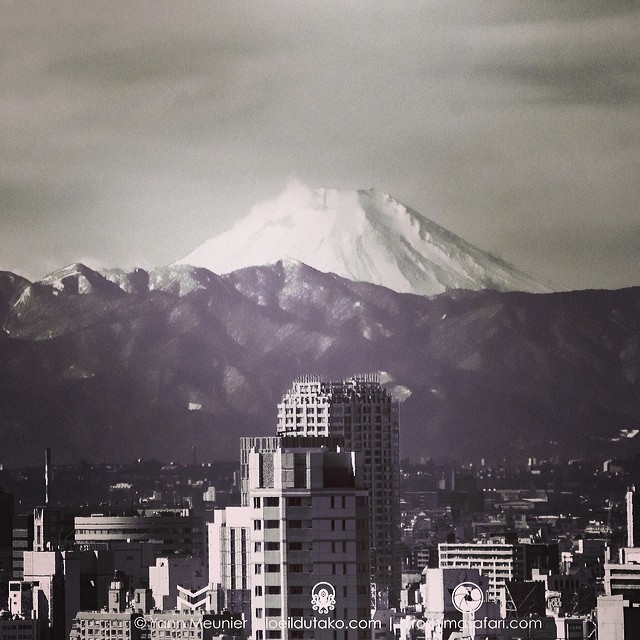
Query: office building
[22,541]
[230,559]
[59,598]
[168,532]
[20,629]
[309,525]
[361,412]
[623,578]
[52,528]
[499,562]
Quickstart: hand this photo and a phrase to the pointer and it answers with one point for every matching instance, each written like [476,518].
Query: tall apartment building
[362,413]
[309,543]
[268,444]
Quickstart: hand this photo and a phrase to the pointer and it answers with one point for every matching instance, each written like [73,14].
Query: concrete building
[20,628]
[133,619]
[436,591]
[47,569]
[168,574]
[168,532]
[308,533]
[230,559]
[623,578]
[6,538]
[618,618]
[52,528]
[269,444]
[499,562]
[22,541]
[364,414]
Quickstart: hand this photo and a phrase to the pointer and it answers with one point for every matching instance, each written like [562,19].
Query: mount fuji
[363,235]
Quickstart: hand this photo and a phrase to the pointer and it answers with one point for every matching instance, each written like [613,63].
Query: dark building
[6,536]
[6,519]
[22,541]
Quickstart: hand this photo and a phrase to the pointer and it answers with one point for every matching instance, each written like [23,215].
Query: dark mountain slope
[120,365]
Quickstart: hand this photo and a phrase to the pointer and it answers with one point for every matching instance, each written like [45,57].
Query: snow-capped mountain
[361,235]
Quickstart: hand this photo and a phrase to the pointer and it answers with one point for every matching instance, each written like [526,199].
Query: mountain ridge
[198,359]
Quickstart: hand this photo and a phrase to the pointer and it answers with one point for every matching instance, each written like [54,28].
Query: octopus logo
[323,597]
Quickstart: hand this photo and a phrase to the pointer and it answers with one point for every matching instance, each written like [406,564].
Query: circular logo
[323,597]
[467,597]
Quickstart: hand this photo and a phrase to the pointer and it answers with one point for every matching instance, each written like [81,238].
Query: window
[258,591]
[257,525]
[272,546]
[257,547]
[272,501]
[272,524]
[274,612]
[256,503]
[259,612]
[273,590]
[272,568]
[258,569]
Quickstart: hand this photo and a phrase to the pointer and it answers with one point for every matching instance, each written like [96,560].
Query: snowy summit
[361,235]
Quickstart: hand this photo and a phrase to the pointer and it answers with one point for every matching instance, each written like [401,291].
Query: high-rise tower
[364,414]
[633,517]
[309,544]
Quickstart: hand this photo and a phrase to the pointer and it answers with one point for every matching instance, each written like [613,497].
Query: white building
[361,412]
[499,562]
[309,543]
[230,559]
[170,573]
[57,574]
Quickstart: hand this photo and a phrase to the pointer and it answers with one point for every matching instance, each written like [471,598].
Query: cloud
[130,132]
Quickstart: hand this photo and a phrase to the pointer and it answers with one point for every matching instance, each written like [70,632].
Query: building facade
[361,412]
[499,562]
[169,532]
[308,534]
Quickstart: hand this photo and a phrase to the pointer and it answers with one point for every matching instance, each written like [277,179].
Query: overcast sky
[131,132]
